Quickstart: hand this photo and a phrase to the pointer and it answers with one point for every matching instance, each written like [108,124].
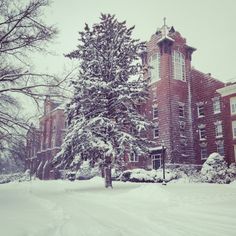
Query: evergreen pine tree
[107,96]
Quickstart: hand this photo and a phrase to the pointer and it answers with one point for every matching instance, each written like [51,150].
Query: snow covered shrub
[214,170]
[141,175]
[169,175]
[232,172]
[86,171]
[7,178]
[125,176]
[188,172]
[115,173]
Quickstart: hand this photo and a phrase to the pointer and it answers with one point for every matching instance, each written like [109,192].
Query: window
[235,153]
[155,112]
[200,110]
[156,132]
[203,153]
[183,144]
[154,63]
[202,133]
[220,148]
[218,129]
[233,105]
[182,125]
[133,157]
[234,129]
[178,66]
[216,105]
[156,161]
[181,110]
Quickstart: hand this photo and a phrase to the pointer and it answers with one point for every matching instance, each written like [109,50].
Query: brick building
[32,147]
[194,114]
[228,95]
[51,128]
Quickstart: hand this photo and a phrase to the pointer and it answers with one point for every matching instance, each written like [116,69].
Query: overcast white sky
[208,25]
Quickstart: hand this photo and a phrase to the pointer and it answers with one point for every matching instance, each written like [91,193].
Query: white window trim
[214,100]
[157,67]
[178,61]
[217,125]
[201,153]
[156,157]
[154,132]
[155,117]
[200,136]
[135,159]
[198,110]
[233,105]
[234,127]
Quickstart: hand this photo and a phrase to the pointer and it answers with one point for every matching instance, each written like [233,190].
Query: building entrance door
[156,161]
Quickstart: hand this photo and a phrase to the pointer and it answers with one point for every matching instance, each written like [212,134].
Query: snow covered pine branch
[108,93]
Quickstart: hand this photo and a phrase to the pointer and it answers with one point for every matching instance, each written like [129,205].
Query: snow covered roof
[227,90]
[157,148]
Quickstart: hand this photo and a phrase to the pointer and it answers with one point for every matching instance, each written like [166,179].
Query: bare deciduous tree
[22,32]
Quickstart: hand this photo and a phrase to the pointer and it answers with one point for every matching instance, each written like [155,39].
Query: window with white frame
[178,66]
[200,110]
[216,105]
[154,70]
[133,157]
[234,129]
[220,148]
[218,129]
[203,151]
[202,132]
[156,132]
[156,161]
[181,110]
[233,105]
[155,112]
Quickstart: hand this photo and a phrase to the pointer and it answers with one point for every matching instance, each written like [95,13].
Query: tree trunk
[107,173]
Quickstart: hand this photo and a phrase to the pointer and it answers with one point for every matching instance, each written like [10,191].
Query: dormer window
[178,66]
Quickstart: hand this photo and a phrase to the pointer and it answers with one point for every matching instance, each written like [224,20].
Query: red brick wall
[228,133]
[204,88]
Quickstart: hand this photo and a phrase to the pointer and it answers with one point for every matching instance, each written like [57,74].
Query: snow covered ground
[86,208]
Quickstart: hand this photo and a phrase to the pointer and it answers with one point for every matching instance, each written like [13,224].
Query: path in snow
[86,208]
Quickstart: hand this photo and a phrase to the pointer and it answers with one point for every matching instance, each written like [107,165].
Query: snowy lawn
[86,208]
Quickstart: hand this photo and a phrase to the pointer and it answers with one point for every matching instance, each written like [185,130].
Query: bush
[151,176]
[215,170]
[232,172]
[86,172]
